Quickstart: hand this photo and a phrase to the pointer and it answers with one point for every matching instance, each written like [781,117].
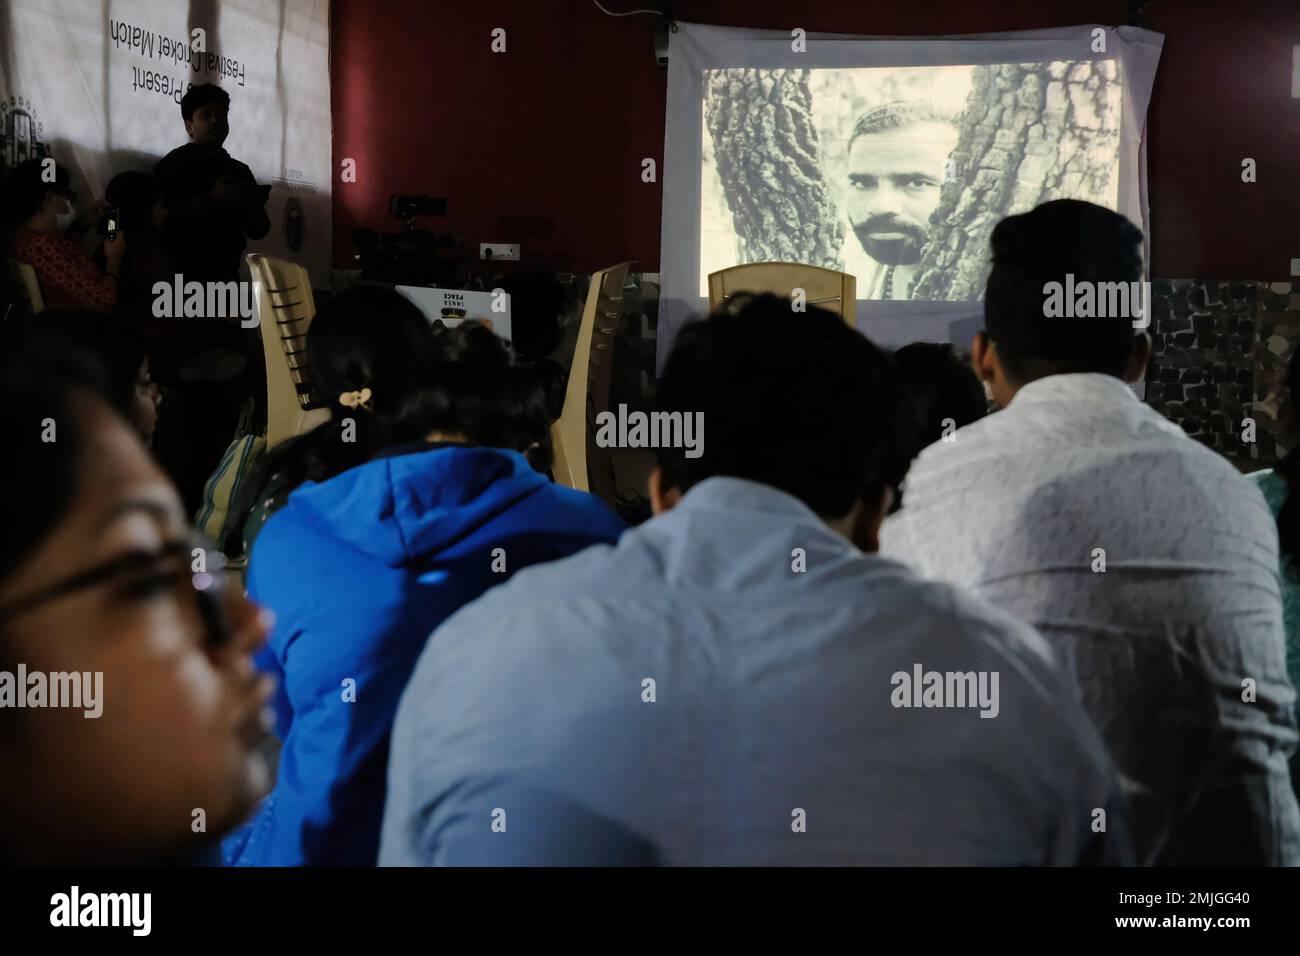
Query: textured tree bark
[768,161]
[1029,133]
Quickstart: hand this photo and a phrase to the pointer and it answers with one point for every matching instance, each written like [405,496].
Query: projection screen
[890,158]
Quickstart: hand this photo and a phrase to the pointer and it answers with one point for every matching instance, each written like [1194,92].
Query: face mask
[65,218]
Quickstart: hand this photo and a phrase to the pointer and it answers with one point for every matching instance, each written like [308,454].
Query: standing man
[897,156]
[215,203]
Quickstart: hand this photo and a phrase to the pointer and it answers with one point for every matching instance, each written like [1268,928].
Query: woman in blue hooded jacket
[360,569]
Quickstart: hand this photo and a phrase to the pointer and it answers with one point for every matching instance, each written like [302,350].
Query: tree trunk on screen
[1029,133]
[766,150]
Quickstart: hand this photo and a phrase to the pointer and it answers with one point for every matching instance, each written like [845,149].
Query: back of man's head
[794,400]
[943,388]
[1063,238]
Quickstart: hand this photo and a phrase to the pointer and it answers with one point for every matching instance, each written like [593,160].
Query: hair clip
[358,398]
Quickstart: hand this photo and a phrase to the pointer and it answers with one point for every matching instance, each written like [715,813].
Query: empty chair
[285,308]
[833,291]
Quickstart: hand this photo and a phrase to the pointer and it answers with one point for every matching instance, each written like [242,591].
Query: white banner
[97,86]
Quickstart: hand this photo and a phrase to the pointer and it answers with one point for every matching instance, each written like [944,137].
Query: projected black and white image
[898,175]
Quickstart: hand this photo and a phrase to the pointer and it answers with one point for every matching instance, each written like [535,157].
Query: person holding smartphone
[215,203]
[136,205]
[41,211]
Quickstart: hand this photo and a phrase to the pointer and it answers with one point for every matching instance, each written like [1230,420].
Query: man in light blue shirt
[741,680]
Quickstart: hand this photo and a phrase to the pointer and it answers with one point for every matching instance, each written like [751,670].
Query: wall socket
[508,251]
[1295,267]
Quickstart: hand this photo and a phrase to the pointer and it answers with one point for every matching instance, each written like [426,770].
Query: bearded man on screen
[898,154]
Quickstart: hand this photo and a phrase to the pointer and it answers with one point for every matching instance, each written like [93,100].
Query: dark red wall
[543,144]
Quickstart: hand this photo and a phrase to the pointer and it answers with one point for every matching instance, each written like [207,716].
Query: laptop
[454,306]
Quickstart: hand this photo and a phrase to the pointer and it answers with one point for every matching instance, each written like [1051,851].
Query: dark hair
[365,337]
[134,194]
[798,401]
[368,337]
[474,388]
[554,381]
[900,114]
[536,301]
[205,94]
[25,189]
[1059,238]
[1288,516]
[116,345]
[41,479]
[940,385]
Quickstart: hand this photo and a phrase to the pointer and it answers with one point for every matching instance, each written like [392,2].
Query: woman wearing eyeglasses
[99,575]
[118,348]
[41,208]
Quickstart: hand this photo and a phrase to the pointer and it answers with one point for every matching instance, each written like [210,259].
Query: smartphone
[108,223]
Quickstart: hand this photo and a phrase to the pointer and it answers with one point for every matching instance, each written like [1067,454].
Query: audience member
[943,389]
[1144,558]
[537,301]
[727,685]
[214,201]
[1281,489]
[360,568]
[120,351]
[366,337]
[94,533]
[143,215]
[195,359]
[39,213]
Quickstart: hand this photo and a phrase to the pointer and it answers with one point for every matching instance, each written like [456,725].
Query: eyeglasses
[210,586]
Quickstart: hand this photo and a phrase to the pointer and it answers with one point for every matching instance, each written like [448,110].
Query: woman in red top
[40,211]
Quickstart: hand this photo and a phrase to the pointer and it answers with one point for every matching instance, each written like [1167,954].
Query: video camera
[410,256]
[406,208]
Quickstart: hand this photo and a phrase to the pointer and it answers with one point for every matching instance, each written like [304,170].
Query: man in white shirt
[1144,558]
[742,680]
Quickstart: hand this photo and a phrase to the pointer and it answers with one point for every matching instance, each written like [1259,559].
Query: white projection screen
[97,86]
[890,158]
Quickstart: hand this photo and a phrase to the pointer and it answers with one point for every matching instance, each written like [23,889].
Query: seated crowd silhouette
[874,622]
